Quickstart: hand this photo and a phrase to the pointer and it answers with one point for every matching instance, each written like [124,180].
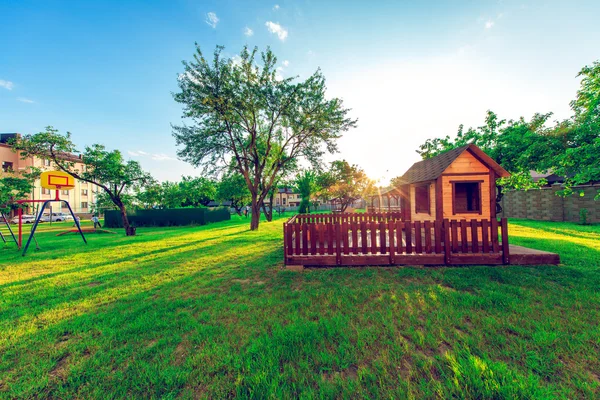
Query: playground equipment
[52,180]
[5,221]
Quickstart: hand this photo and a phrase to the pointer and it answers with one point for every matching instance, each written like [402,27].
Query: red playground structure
[52,180]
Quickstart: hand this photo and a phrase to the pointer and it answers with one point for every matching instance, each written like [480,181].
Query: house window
[422,199]
[65,192]
[84,204]
[466,197]
[84,192]
[46,163]
[283,201]
[45,191]
[7,166]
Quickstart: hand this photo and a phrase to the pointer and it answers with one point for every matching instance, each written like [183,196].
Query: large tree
[344,183]
[241,108]
[103,168]
[579,162]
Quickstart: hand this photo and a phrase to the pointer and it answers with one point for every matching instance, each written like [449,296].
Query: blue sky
[410,71]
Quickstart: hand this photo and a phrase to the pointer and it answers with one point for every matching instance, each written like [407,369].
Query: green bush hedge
[167,217]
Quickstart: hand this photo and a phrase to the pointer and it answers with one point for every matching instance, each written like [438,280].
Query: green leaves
[344,183]
[238,108]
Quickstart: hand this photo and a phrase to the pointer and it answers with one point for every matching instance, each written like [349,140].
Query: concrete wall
[544,205]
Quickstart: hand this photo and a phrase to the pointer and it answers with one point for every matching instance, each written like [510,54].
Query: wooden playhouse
[447,216]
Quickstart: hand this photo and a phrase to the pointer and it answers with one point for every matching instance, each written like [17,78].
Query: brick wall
[544,205]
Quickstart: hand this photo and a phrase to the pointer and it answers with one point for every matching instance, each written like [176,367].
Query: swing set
[52,180]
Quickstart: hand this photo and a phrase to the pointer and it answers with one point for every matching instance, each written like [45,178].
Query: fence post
[338,243]
[505,251]
[446,227]
[391,241]
[285,249]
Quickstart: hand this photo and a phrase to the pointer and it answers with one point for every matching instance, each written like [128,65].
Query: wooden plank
[392,243]
[418,238]
[492,189]
[454,236]
[313,238]
[505,250]
[382,237]
[330,238]
[474,237]
[321,229]
[290,237]
[463,236]
[373,227]
[494,235]
[475,259]
[400,259]
[446,241]
[297,238]
[428,248]
[304,239]
[354,228]
[312,260]
[363,237]
[437,225]
[338,243]
[399,236]
[345,245]
[285,243]
[485,236]
[439,199]
[408,232]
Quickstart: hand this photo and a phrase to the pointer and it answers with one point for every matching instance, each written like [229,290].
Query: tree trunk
[269,211]
[129,230]
[255,213]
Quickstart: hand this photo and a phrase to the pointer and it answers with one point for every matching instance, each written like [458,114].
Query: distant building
[286,197]
[81,198]
[551,177]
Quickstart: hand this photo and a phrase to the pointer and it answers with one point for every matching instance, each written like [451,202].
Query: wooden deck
[383,239]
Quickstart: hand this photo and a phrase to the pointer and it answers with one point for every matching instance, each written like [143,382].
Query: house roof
[433,167]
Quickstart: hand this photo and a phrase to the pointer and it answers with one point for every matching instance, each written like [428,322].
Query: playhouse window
[422,199]
[467,197]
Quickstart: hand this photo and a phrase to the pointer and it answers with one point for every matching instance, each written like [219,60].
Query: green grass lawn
[208,312]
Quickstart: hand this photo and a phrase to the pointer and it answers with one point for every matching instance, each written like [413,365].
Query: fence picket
[428,248]
[463,236]
[484,236]
[418,239]
[437,227]
[454,236]
[474,237]
[373,227]
[408,232]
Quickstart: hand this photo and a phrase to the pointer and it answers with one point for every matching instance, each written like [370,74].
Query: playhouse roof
[433,167]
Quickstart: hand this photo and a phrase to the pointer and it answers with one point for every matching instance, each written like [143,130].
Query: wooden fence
[384,239]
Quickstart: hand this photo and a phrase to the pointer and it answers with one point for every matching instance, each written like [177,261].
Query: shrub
[167,217]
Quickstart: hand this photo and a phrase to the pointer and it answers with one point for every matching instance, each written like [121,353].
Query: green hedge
[167,217]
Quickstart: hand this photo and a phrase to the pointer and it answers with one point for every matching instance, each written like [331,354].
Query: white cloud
[155,156]
[6,84]
[276,7]
[138,153]
[285,63]
[277,29]
[489,24]
[25,100]
[212,19]
[161,157]
[248,32]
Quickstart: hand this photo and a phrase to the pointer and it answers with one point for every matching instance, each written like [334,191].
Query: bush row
[167,217]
